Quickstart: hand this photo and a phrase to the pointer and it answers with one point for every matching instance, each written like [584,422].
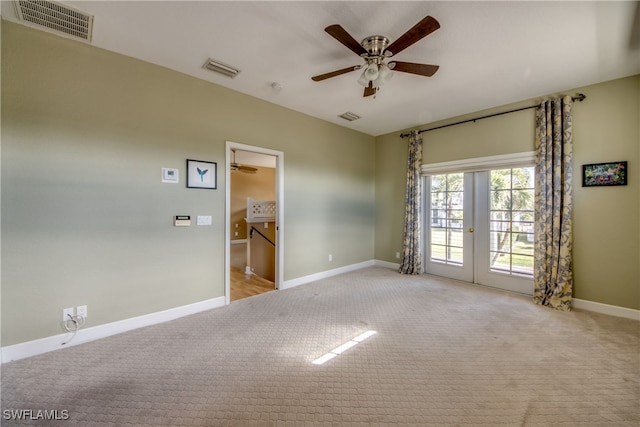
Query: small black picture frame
[202,174]
[604,174]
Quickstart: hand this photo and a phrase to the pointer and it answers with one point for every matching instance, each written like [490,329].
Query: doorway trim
[279,155]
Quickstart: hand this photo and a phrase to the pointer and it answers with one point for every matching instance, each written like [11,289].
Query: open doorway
[253,221]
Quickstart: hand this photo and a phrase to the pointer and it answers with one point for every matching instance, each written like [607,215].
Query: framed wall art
[604,174]
[201,174]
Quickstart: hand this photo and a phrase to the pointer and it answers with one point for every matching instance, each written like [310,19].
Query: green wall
[606,225]
[85,217]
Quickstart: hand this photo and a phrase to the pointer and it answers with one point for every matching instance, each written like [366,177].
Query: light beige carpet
[445,353]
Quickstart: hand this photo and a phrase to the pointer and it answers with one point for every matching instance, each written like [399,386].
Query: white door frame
[230,145]
[515,160]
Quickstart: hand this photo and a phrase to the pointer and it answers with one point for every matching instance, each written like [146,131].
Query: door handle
[470,230]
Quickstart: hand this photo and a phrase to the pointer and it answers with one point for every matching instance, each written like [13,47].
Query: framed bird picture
[201,174]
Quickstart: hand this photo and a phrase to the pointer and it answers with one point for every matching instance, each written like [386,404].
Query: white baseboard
[325,274]
[387,264]
[612,310]
[44,345]
[596,307]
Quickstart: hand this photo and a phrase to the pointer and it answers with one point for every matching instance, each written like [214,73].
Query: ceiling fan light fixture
[363,80]
[384,73]
[372,71]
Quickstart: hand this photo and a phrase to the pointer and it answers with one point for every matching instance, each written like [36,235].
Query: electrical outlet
[82,311]
[66,312]
[397,255]
[330,257]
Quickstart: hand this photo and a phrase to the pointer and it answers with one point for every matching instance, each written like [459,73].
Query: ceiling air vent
[56,17]
[349,116]
[219,67]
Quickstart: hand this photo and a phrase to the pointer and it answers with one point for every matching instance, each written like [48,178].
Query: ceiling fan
[238,167]
[376,49]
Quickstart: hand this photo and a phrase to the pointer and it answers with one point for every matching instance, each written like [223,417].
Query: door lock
[470,229]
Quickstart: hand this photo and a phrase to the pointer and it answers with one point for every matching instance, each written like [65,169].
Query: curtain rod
[579,97]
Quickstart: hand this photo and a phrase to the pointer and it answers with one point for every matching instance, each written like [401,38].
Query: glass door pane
[511,221]
[450,215]
[504,235]
[447,216]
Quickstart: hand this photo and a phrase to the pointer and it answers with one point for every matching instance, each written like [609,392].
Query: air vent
[56,17]
[219,67]
[349,116]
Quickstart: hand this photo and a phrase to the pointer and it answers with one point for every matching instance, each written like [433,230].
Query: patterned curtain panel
[411,254]
[553,263]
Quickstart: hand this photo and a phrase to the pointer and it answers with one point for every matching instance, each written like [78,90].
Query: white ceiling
[489,53]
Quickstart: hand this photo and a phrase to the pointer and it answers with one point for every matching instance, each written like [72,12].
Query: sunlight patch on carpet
[344,347]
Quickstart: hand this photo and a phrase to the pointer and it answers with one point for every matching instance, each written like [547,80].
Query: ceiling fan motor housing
[375,45]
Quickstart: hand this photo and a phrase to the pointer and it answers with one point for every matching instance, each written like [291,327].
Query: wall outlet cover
[81,310]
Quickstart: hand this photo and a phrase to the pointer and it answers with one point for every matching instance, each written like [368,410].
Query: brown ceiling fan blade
[369,90]
[413,68]
[422,29]
[334,73]
[247,169]
[242,168]
[340,34]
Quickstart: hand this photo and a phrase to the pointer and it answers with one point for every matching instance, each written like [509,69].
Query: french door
[479,227]
[450,226]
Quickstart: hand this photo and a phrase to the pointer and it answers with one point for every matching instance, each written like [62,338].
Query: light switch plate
[203,220]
